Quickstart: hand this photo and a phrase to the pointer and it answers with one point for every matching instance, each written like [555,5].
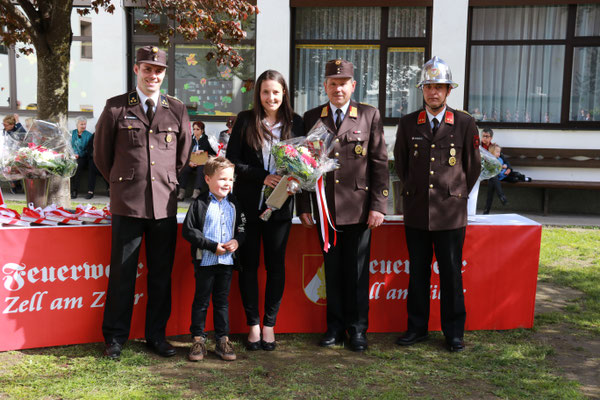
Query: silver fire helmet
[436,71]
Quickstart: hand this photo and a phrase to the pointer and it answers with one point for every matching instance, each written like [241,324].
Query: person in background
[14,130]
[200,145]
[142,142]
[253,135]
[214,225]
[225,135]
[357,199]
[486,139]
[80,140]
[438,161]
[494,185]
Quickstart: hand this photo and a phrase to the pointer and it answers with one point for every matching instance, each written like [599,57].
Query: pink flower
[290,151]
[309,160]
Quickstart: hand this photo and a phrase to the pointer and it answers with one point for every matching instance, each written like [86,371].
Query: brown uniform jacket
[438,172]
[141,162]
[360,184]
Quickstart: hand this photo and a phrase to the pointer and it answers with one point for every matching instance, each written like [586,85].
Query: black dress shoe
[358,342]
[89,195]
[268,346]
[455,344]
[410,338]
[253,346]
[113,350]
[162,348]
[331,339]
[74,194]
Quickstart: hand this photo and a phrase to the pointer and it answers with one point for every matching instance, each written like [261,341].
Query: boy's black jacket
[193,226]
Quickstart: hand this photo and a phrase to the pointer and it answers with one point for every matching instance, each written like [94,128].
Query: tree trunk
[53,47]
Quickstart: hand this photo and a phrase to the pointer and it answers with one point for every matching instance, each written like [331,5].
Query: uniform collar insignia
[133,98]
[422,118]
[449,118]
[325,111]
[353,112]
[163,101]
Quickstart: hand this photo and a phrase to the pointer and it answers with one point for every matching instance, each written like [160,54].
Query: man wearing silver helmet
[437,159]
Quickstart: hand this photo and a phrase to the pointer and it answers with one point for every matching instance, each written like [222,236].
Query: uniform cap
[339,69]
[151,55]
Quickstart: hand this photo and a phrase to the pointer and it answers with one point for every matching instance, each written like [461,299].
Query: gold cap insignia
[338,62]
[155,49]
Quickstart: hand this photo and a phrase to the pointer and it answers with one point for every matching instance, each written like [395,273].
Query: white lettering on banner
[400,294]
[35,303]
[137,297]
[67,303]
[13,279]
[17,275]
[389,267]
[374,294]
[98,296]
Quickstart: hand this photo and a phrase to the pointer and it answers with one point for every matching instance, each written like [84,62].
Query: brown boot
[198,349]
[224,349]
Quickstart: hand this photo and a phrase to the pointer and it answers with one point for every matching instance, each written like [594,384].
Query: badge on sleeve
[476,141]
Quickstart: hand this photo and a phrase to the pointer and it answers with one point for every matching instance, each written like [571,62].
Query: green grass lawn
[513,364]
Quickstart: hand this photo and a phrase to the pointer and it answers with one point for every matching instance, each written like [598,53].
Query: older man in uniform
[357,199]
[437,159]
[142,141]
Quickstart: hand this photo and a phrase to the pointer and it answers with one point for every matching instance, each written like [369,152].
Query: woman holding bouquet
[254,133]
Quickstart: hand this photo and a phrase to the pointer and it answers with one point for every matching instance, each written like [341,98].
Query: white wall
[109,72]
[273,37]
[449,42]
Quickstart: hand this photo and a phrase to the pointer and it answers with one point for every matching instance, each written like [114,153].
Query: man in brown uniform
[437,159]
[141,143]
[357,199]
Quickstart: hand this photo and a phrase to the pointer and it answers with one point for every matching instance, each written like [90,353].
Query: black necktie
[436,125]
[150,110]
[338,118]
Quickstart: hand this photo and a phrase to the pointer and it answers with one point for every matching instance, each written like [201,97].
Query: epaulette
[463,111]
[174,98]
[366,104]
[133,98]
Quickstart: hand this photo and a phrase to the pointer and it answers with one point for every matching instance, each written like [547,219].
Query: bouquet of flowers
[490,165]
[43,151]
[301,161]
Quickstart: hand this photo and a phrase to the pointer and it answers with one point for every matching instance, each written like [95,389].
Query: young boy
[214,225]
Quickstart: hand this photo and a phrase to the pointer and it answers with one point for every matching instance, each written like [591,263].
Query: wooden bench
[559,158]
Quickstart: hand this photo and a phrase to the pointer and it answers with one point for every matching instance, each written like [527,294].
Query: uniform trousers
[494,186]
[448,245]
[347,279]
[274,236]
[127,234]
[199,183]
[215,280]
[82,163]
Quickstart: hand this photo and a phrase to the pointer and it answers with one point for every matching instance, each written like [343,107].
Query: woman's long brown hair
[257,132]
